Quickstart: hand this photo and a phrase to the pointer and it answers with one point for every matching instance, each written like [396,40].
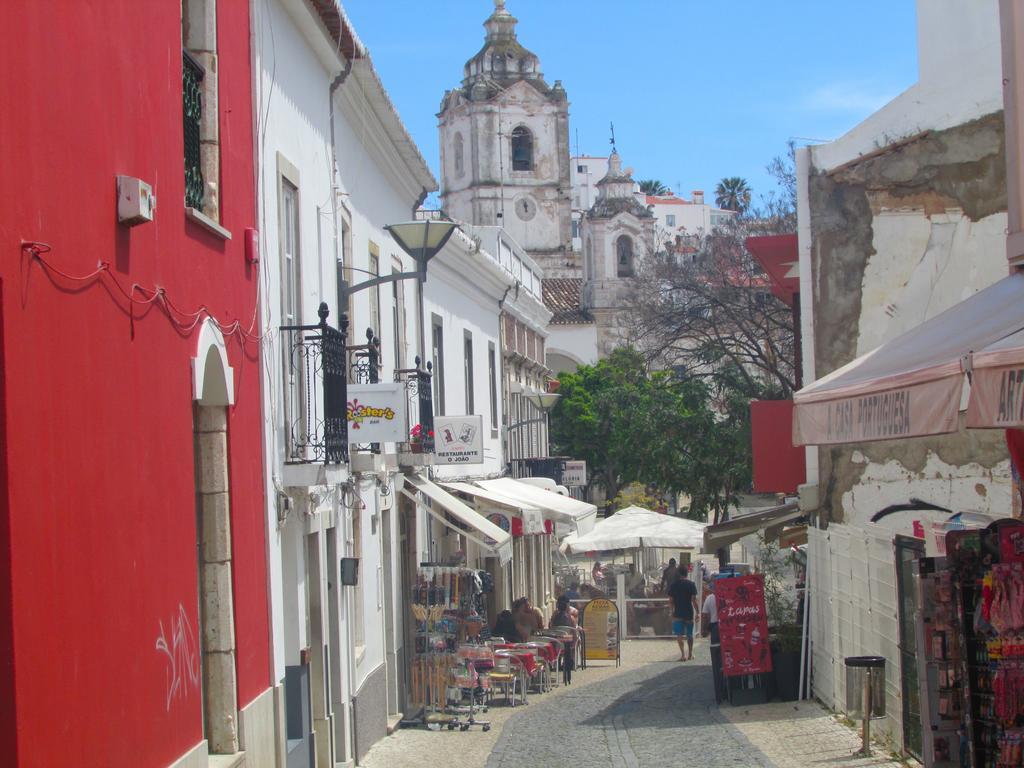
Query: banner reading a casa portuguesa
[743,625]
[929,408]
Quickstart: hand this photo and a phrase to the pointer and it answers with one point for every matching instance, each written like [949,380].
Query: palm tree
[653,187]
[733,194]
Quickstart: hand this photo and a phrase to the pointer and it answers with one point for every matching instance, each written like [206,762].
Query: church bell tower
[504,136]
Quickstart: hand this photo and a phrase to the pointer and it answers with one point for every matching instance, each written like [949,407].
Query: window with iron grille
[192,115]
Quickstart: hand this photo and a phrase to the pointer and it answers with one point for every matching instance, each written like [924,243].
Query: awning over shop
[554,506]
[912,385]
[771,521]
[532,517]
[637,527]
[477,528]
[997,384]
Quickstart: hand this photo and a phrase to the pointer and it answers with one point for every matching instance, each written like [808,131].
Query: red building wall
[97,499]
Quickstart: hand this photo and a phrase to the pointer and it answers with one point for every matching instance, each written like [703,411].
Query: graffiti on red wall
[182,652]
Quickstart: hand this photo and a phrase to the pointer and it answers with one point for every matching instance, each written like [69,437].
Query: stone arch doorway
[213,392]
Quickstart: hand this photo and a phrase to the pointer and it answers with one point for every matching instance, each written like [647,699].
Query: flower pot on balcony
[416,447]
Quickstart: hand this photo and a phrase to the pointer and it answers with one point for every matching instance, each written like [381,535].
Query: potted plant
[785,632]
[416,436]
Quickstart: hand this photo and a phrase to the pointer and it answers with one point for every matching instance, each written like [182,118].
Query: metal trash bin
[857,669]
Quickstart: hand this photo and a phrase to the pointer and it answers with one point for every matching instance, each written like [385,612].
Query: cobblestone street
[653,711]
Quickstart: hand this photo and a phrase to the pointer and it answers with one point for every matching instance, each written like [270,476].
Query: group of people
[525,619]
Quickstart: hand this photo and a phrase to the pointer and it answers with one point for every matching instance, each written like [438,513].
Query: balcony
[315,393]
[418,451]
[364,368]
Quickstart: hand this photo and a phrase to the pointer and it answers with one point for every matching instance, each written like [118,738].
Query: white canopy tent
[634,527]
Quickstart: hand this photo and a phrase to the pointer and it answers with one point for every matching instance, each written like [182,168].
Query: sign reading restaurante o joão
[458,440]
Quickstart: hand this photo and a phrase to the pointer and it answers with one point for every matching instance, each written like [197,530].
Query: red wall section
[779,467]
[98,406]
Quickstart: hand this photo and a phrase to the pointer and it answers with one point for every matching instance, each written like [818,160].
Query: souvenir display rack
[988,573]
[941,670]
[448,610]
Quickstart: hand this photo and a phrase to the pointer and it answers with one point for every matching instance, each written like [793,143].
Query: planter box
[786,671]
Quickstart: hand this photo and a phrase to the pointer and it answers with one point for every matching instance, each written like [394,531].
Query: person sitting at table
[528,619]
[505,627]
[564,617]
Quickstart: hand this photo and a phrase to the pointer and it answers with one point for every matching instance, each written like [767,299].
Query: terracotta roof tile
[562,297]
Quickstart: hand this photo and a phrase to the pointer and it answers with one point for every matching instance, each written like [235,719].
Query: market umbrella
[637,527]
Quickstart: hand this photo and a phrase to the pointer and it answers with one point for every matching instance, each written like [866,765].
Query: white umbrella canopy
[637,527]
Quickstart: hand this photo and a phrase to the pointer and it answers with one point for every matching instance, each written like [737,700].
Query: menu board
[743,625]
[601,625]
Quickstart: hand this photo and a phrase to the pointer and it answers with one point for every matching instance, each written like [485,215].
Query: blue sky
[697,91]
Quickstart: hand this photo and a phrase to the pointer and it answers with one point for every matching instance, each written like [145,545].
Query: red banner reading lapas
[743,625]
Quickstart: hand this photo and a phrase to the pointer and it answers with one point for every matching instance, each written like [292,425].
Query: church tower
[618,234]
[505,148]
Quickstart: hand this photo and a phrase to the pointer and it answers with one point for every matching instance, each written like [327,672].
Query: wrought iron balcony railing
[315,392]
[421,407]
[364,368]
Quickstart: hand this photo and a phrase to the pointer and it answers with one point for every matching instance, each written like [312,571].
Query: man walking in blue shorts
[683,594]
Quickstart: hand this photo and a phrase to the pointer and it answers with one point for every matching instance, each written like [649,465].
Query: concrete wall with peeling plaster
[898,237]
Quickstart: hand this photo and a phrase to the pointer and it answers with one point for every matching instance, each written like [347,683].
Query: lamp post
[422,240]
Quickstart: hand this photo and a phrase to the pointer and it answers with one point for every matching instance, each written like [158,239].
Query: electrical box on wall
[136,202]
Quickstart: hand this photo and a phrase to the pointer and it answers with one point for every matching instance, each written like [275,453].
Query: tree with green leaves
[733,194]
[653,187]
[634,425]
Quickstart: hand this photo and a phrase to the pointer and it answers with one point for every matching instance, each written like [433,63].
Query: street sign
[458,440]
[574,474]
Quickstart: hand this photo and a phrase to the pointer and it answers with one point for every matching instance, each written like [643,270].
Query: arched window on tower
[457,150]
[624,256]
[522,149]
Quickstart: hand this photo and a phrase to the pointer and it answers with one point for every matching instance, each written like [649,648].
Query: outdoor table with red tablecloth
[525,656]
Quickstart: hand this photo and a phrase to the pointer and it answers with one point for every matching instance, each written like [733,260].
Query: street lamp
[422,240]
[544,401]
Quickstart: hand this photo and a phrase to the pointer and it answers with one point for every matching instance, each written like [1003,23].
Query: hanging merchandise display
[971,629]
[447,677]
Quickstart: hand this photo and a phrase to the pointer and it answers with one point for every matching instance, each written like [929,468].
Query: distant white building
[584,173]
[676,217]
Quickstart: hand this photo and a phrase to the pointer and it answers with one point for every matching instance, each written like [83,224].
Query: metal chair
[506,675]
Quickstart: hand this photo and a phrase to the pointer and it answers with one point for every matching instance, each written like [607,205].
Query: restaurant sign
[743,625]
[929,408]
[601,625]
[458,440]
[574,474]
[376,413]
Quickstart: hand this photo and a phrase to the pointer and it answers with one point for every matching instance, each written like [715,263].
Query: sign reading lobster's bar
[929,408]
[377,413]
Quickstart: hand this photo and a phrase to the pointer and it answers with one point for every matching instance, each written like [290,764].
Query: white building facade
[335,166]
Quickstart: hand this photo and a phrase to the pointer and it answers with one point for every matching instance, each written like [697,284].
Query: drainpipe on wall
[338,81]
